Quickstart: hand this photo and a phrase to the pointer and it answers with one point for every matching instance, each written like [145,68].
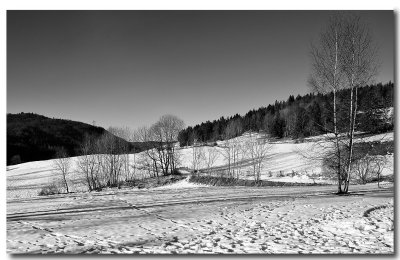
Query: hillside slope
[33,137]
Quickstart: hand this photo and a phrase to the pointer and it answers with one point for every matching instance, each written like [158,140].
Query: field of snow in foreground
[205,220]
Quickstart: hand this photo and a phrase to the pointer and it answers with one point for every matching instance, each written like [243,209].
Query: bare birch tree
[344,58]
[360,67]
[327,77]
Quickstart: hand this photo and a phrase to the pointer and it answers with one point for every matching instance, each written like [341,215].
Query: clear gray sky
[127,68]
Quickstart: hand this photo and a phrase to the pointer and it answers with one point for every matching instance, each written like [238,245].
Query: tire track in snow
[181,201]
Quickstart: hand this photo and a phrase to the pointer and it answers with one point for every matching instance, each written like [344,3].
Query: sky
[128,68]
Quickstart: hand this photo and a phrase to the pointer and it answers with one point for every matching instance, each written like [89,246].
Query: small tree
[379,163]
[256,150]
[88,164]
[16,159]
[363,168]
[231,149]
[165,136]
[160,142]
[62,165]
[212,157]
[126,134]
[147,160]
[199,157]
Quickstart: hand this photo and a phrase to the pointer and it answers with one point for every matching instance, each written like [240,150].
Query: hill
[33,137]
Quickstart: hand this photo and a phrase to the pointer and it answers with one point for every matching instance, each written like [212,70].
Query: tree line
[301,116]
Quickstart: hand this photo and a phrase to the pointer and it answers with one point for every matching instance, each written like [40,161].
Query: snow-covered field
[185,217]
[287,161]
[205,220]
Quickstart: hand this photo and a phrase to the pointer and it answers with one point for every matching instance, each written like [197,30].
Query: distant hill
[33,137]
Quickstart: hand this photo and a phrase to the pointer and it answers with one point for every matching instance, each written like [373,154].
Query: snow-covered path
[204,220]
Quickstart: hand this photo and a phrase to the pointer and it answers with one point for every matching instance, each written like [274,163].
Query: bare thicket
[379,165]
[165,132]
[159,142]
[231,149]
[198,156]
[211,158]
[256,151]
[126,134]
[111,158]
[88,164]
[62,165]
[363,168]
[147,160]
[227,154]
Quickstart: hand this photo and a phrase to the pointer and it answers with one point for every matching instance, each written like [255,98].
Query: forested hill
[32,137]
[300,116]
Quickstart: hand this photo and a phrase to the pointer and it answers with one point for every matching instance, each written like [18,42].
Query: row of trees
[105,161]
[251,151]
[102,163]
[303,116]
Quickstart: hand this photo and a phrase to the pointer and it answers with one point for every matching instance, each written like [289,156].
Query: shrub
[50,189]
[16,159]
[176,172]
[221,181]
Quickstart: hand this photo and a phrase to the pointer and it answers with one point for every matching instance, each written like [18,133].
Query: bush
[176,172]
[154,181]
[16,159]
[222,181]
[50,189]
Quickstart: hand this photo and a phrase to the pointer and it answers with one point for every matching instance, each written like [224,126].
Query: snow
[306,220]
[385,137]
[183,184]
